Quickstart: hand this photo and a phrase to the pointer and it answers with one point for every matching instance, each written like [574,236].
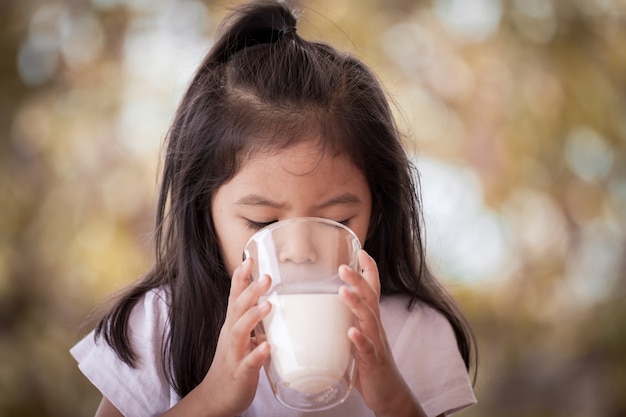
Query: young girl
[274,127]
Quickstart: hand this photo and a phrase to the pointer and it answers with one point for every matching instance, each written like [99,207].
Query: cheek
[361,227]
[232,249]
[362,234]
[228,247]
[232,252]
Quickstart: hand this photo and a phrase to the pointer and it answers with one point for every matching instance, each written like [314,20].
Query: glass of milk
[311,365]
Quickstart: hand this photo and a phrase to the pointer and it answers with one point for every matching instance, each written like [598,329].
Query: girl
[273,127]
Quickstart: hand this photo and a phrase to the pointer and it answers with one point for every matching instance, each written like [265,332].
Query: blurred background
[515,111]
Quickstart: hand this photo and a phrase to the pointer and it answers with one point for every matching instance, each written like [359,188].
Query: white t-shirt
[422,341]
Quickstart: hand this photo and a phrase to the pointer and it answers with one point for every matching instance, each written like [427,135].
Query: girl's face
[293,182]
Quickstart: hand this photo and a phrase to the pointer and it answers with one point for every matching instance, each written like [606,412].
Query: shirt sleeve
[427,356]
[144,389]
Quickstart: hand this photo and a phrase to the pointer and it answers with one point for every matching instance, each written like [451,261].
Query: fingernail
[263,279]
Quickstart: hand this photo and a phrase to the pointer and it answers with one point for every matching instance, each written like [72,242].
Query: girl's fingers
[240,279]
[247,322]
[370,271]
[241,300]
[244,309]
[365,315]
[249,367]
[360,286]
[367,352]
[363,299]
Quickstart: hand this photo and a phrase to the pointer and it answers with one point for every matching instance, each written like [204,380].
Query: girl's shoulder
[147,327]
[154,301]
[420,322]
[150,314]
[426,352]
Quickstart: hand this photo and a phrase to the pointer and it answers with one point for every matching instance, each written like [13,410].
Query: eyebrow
[257,200]
[342,199]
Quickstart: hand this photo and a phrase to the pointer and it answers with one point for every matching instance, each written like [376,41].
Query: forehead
[305,165]
[300,159]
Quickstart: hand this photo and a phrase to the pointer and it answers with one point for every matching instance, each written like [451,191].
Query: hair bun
[256,23]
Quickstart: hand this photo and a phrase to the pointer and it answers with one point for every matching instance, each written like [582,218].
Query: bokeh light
[513,111]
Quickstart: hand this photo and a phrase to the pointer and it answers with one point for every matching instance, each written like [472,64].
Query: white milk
[308,335]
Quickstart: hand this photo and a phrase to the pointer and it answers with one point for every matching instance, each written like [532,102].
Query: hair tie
[259,37]
[290,29]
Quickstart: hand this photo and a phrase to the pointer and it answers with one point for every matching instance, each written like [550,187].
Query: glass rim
[267,229]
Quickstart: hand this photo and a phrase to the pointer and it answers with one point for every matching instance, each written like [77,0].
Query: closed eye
[344,222]
[258,225]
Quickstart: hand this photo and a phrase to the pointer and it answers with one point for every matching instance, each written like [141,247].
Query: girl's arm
[230,384]
[378,380]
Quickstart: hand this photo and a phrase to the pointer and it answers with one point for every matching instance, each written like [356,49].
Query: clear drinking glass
[311,365]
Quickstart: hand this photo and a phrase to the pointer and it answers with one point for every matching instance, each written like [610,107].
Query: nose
[297,245]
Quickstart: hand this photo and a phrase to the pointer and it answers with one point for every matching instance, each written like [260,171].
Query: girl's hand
[231,382]
[377,377]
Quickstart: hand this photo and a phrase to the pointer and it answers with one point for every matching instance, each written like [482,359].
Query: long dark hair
[263,87]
